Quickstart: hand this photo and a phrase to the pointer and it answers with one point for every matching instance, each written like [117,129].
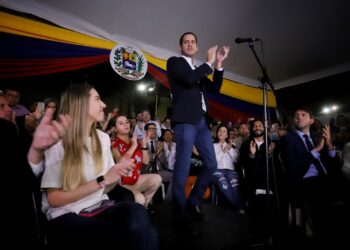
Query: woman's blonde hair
[75,103]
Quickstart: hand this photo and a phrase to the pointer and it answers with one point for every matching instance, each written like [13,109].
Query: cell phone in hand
[41,107]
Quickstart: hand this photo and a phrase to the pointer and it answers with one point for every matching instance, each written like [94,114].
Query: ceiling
[301,40]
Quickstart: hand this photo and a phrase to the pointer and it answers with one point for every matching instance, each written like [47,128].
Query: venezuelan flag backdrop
[30,47]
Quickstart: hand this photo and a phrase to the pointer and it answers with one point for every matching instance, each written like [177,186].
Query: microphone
[246,40]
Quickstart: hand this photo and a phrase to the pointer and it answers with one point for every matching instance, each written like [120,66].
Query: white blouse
[53,171]
[226,160]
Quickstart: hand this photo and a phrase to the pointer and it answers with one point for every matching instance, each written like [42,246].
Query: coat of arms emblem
[128,62]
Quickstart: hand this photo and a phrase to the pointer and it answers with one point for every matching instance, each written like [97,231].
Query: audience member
[143,186]
[225,177]
[312,170]
[262,173]
[79,171]
[14,97]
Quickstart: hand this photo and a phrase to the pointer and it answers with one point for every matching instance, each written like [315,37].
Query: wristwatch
[101,181]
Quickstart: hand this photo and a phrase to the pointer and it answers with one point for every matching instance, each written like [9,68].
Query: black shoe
[197,212]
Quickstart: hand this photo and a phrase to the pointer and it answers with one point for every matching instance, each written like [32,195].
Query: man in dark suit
[189,86]
[312,169]
[302,160]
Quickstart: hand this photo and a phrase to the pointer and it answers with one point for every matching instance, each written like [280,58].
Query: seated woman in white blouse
[79,172]
[225,176]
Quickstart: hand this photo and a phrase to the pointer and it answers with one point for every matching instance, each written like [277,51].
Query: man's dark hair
[187,33]
[307,110]
[149,124]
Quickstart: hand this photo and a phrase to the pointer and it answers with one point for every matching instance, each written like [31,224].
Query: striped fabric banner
[30,47]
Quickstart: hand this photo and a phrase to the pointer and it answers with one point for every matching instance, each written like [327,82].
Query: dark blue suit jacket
[186,85]
[297,159]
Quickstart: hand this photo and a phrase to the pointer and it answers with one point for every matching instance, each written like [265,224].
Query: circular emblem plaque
[128,62]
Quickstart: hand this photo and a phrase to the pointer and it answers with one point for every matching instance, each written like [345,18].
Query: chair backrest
[191,180]
[39,216]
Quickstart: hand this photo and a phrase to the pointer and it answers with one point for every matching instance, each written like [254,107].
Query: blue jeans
[228,182]
[187,135]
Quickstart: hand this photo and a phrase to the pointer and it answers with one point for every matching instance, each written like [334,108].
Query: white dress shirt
[170,154]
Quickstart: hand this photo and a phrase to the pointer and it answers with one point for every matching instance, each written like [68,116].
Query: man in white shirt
[140,126]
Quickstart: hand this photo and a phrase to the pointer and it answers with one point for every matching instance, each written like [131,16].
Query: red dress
[123,147]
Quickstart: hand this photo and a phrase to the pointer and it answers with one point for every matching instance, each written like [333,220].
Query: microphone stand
[265,80]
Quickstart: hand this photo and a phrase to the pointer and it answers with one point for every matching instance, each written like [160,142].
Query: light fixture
[141,87]
[326,110]
[330,109]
